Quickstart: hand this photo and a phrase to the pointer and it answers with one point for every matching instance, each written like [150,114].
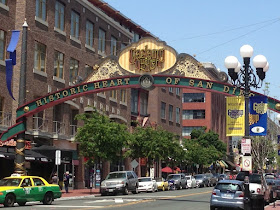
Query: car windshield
[159,179]
[148,179]
[116,176]
[10,182]
[198,176]
[174,176]
[228,187]
[255,178]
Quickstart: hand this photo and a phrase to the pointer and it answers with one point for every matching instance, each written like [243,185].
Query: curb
[76,197]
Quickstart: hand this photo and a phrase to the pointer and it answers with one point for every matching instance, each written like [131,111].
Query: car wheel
[9,200]
[21,203]
[135,191]
[103,194]
[212,207]
[48,199]
[125,191]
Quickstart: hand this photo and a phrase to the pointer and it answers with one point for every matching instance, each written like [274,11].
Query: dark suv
[120,181]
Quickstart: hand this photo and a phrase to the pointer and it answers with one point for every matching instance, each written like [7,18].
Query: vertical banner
[235,118]
[278,141]
[258,116]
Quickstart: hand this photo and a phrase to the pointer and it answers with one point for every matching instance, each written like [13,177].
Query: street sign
[57,157]
[134,164]
[247,163]
[246,146]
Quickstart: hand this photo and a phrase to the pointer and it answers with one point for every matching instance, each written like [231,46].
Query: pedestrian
[66,181]
[54,179]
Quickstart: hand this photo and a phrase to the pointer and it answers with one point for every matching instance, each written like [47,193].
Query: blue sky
[213,30]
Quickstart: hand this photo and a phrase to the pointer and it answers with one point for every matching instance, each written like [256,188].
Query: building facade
[66,39]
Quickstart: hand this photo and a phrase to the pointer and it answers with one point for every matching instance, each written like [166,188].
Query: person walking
[66,181]
[55,179]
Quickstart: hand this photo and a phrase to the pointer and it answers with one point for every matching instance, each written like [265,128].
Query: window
[123,95]
[136,37]
[59,15]
[134,101]
[101,41]
[38,182]
[89,33]
[58,64]
[177,91]
[171,113]
[88,70]
[144,103]
[193,114]
[193,97]
[113,94]
[162,110]
[113,46]
[170,89]
[188,130]
[178,115]
[2,44]
[74,68]
[75,19]
[40,57]
[41,10]
[3,2]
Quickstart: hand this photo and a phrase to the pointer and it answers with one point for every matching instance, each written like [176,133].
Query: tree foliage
[204,148]
[99,137]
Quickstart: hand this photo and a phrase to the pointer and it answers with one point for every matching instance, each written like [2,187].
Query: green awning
[226,165]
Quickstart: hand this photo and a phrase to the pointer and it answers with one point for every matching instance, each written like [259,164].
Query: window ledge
[101,95]
[75,39]
[2,63]
[58,79]
[123,103]
[41,21]
[59,31]
[3,6]
[101,53]
[89,47]
[113,99]
[44,74]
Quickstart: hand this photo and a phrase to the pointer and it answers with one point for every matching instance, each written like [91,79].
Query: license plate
[227,195]
[111,190]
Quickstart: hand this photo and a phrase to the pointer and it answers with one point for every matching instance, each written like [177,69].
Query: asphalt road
[197,199]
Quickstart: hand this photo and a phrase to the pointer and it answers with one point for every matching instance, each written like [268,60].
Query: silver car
[120,181]
[227,194]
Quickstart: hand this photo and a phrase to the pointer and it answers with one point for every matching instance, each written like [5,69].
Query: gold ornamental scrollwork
[19,167]
[20,151]
[20,140]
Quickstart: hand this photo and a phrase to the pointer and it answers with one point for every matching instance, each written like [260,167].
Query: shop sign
[13,143]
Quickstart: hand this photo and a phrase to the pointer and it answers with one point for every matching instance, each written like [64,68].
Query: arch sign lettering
[146,64]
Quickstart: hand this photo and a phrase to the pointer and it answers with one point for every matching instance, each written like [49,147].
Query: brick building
[66,38]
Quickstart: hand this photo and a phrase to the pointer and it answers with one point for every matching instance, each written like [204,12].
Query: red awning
[167,170]
[177,169]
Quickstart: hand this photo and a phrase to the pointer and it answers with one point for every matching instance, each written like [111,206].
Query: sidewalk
[271,206]
[80,193]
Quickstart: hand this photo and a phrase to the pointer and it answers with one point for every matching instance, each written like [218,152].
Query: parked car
[162,184]
[147,184]
[227,194]
[276,188]
[120,181]
[21,189]
[201,180]
[191,182]
[212,181]
[179,180]
[223,177]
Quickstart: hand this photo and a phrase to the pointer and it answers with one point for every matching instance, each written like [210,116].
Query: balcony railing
[40,124]
[5,119]
[58,127]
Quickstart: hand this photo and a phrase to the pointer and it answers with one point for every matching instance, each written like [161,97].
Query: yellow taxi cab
[21,189]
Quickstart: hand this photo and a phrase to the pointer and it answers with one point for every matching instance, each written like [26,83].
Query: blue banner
[258,115]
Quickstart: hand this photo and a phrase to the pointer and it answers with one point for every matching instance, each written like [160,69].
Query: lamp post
[244,77]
